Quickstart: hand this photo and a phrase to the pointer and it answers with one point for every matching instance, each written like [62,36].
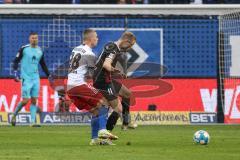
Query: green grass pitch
[143,143]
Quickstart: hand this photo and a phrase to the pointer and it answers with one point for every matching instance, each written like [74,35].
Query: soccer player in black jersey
[103,81]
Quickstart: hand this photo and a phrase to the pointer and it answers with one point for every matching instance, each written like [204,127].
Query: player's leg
[33,107]
[98,122]
[87,97]
[113,118]
[127,97]
[95,98]
[125,114]
[81,104]
[17,109]
[115,88]
[25,91]
[102,116]
[64,102]
[94,129]
[95,121]
[20,105]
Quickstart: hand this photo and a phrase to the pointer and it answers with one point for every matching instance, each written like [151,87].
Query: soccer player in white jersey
[81,92]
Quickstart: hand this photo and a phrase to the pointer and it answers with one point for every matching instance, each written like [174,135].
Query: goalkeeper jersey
[30,58]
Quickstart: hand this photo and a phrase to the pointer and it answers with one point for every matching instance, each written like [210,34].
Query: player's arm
[108,65]
[15,64]
[17,59]
[111,54]
[91,61]
[115,72]
[44,66]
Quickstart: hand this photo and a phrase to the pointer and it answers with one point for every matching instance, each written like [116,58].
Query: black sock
[112,120]
[125,110]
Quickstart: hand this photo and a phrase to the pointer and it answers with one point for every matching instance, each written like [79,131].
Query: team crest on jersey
[79,50]
[18,54]
[34,58]
[111,55]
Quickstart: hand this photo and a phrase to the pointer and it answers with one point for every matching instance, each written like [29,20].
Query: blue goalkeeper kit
[30,58]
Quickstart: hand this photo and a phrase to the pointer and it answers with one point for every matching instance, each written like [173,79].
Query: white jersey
[81,60]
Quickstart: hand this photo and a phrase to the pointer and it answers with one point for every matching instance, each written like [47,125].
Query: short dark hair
[86,33]
[33,33]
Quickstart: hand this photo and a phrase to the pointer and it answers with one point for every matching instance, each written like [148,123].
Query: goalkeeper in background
[30,56]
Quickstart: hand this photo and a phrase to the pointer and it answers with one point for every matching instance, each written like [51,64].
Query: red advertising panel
[190,95]
[232,100]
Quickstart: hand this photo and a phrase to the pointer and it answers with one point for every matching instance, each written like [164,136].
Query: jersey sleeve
[111,50]
[18,58]
[44,66]
[91,60]
[120,59]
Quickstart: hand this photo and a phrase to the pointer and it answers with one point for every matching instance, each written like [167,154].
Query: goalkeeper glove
[50,79]
[16,76]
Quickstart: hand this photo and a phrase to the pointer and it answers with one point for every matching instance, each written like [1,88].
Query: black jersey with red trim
[101,75]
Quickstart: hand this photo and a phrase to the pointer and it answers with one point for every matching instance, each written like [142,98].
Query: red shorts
[85,96]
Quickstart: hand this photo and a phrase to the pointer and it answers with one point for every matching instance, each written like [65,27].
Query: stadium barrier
[183,38]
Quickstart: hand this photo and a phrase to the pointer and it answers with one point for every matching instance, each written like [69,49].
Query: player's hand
[50,79]
[17,76]
[123,75]
[119,72]
[115,70]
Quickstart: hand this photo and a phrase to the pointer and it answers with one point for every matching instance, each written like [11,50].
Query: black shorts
[109,90]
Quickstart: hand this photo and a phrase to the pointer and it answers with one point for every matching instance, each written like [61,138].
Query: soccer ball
[201,137]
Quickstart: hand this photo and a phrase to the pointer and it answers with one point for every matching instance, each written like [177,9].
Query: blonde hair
[129,36]
[86,34]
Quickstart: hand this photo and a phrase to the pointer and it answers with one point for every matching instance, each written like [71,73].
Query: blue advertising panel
[186,46]
[65,118]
